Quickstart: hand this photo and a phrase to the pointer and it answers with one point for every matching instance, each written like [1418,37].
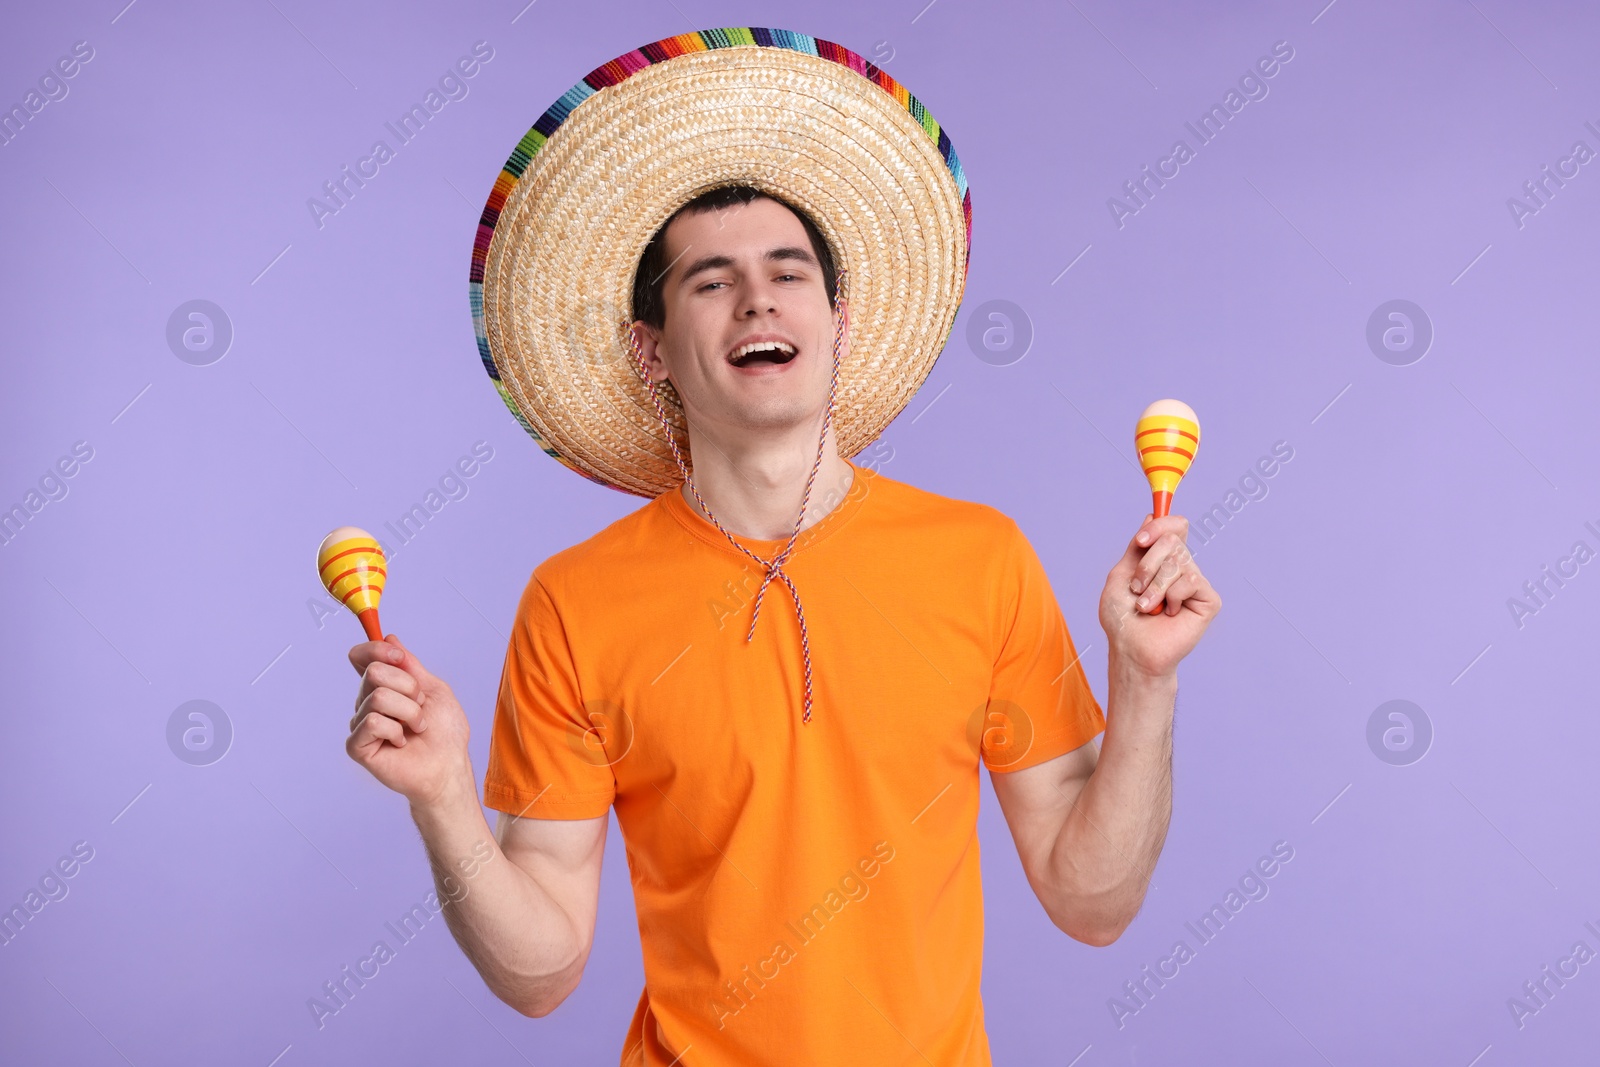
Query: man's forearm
[516,935]
[1112,835]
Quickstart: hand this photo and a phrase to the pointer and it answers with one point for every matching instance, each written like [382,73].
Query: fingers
[1176,588]
[372,731]
[393,689]
[389,650]
[1152,529]
[389,664]
[393,704]
[407,661]
[386,676]
[368,651]
[1186,585]
[1166,559]
[1197,596]
[1148,533]
[1157,574]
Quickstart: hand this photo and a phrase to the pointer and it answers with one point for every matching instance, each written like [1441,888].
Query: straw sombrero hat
[607,164]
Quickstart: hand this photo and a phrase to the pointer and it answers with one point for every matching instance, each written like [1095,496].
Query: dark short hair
[650,278]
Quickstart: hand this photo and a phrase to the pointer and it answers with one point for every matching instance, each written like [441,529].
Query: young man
[799,799]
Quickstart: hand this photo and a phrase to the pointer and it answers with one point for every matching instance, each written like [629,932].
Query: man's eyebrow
[716,261]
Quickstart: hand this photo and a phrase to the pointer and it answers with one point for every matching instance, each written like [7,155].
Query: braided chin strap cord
[774,567]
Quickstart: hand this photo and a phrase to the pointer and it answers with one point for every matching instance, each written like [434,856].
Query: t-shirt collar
[842,512]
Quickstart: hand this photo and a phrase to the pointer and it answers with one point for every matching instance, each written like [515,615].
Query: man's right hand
[408,729]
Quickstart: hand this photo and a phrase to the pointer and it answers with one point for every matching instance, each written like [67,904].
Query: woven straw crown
[608,163]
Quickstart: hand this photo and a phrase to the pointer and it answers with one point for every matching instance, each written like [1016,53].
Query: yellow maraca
[352,566]
[1166,437]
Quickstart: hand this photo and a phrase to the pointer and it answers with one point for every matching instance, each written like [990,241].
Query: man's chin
[777,416]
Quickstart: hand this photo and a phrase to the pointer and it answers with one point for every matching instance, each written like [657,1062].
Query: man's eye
[708,285]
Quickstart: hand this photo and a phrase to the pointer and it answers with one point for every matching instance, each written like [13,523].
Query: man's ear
[649,350]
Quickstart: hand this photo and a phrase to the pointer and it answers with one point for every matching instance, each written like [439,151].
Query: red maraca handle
[369,623]
[1160,506]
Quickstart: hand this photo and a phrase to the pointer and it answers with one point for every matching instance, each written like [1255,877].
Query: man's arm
[1089,826]
[522,906]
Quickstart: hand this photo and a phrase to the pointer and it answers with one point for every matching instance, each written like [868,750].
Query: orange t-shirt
[807,893]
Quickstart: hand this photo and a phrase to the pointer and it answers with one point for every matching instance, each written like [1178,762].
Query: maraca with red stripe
[352,566]
[1166,437]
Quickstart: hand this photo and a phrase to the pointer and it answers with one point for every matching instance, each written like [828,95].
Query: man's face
[737,275]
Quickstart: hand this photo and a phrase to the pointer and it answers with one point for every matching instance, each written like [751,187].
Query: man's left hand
[1159,570]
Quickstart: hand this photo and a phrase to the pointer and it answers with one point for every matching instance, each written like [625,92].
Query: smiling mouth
[774,353]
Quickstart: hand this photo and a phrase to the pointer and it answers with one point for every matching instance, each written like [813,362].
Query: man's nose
[758,297]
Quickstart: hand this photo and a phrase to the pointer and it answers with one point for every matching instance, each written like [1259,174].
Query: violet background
[1378,567]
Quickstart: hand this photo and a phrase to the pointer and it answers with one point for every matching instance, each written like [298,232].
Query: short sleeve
[1040,704]
[543,762]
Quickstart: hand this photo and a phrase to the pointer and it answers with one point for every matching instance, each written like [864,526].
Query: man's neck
[756,492]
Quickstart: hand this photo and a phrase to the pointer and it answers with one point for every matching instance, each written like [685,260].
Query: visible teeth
[762,346]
